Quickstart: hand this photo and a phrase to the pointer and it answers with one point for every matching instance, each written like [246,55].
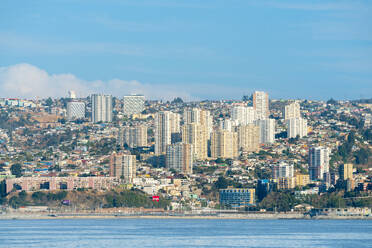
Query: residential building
[75,110]
[196,135]
[179,157]
[123,166]
[101,108]
[243,115]
[261,105]
[133,104]
[248,138]
[237,198]
[283,170]
[135,136]
[267,130]
[166,123]
[296,127]
[346,172]
[224,144]
[292,111]
[318,162]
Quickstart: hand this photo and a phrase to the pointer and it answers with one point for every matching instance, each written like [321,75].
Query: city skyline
[190,49]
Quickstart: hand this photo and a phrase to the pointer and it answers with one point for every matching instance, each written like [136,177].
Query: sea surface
[68,233]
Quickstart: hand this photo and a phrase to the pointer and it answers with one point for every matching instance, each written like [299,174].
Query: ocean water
[68,233]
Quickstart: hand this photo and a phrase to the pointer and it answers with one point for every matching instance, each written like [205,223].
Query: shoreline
[43,216]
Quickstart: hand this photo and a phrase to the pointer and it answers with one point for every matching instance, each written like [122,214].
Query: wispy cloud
[28,81]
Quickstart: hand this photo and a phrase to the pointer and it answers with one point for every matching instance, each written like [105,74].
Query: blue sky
[205,49]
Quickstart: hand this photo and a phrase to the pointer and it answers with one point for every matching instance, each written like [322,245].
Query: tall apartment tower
[267,130]
[243,115]
[261,104]
[346,171]
[133,104]
[75,110]
[179,157]
[123,166]
[101,108]
[296,126]
[224,144]
[318,162]
[196,135]
[166,123]
[199,116]
[248,138]
[226,124]
[292,111]
[135,136]
[283,170]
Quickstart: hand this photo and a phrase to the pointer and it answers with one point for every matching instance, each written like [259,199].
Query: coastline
[278,216]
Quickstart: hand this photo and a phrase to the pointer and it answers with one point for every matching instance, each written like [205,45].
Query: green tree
[16,170]
[221,183]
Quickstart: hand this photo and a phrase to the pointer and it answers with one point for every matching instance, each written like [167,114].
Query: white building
[75,110]
[296,126]
[166,123]
[292,111]
[318,162]
[283,170]
[243,115]
[261,105]
[134,104]
[267,130]
[101,108]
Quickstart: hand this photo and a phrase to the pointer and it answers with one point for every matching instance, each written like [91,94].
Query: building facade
[123,166]
[101,108]
[296,127]
[267,130]
[166,123]
[237,198]
[261,104]
[179,157]
[318,162]
[75,110]
[133,104]
[196,135]
[292,111]
[248,137]
[224,144]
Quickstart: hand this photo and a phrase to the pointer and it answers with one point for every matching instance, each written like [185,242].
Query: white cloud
[28,81]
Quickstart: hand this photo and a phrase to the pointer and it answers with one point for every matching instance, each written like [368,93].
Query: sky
[194,49]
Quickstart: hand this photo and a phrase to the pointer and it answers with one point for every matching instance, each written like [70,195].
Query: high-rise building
[318,162]
[346,171]
[196,135]
[243,115]
[166,123]
[123,166]
[134,104]
[292,111]
[101,108]
[296,126]
[135,136]
[267,130]
[179,157]
[261,105]
[248,138]
[224,144]
[199,116]
[226,124]
[283,170]
[75,110]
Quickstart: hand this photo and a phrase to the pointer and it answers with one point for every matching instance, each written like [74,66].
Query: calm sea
[185,233]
